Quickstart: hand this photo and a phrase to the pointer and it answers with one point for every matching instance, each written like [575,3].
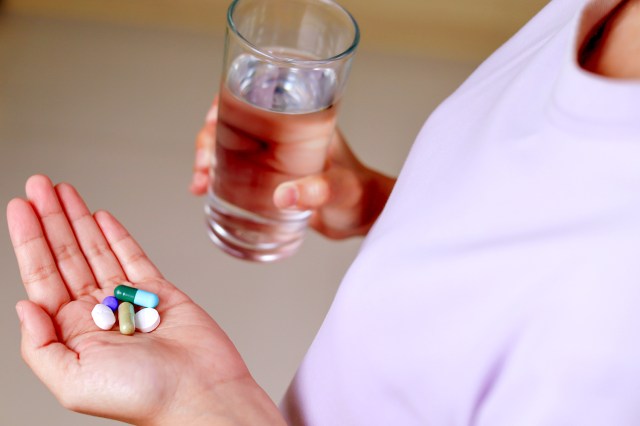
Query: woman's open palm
[70,260]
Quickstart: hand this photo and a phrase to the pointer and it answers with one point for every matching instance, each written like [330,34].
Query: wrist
[237,403]
[378,187]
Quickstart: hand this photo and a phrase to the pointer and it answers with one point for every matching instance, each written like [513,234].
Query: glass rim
[350,50]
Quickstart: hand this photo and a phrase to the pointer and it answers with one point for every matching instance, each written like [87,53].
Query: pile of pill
[145,320]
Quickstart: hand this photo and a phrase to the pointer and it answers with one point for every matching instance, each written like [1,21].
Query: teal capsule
[126,318]
[136,296]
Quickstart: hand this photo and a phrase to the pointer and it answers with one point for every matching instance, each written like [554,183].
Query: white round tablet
[147,320]
[103,316]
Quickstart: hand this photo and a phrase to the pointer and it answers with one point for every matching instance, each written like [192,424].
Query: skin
[346,198]
[617,52]
[187,371]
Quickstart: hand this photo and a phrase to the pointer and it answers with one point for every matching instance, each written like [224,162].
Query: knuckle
[315,192]
[39,273]
[98,250]
[204,139]
[82,218]
[65,251]
[136,257]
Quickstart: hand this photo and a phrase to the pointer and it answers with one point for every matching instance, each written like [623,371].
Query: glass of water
[286,64]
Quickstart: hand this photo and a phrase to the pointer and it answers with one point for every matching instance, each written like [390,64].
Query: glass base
[249,236]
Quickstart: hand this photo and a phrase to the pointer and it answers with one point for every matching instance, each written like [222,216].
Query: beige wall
[460,29]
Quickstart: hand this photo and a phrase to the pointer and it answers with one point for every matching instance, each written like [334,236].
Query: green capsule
[136,296]
[126,318]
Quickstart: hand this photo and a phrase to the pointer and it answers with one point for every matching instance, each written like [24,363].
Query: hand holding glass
[285,68]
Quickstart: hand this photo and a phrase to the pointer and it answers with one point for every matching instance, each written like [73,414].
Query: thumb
[49,359]
[310,192]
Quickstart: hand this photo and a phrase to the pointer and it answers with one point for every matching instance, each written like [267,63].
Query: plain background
[113,108]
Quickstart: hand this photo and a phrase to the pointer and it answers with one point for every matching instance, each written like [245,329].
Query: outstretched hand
[186,371]
[346,198]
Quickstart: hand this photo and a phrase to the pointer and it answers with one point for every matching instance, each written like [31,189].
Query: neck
[612,49]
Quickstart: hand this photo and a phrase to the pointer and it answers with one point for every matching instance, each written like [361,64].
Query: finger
[133,259]
[103,262]
[38,269]
[50,360]
[72,265]
[307,193]
[205,142]
[204,158]
[212,114]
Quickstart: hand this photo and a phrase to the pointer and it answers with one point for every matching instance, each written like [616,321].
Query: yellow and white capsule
[126,318]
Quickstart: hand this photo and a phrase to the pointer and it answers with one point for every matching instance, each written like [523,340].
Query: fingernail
[286,196]
[19,312]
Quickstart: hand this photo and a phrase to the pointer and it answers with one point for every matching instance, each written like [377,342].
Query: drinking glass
[286,64]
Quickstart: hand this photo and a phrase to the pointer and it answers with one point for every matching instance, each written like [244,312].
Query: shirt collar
[590,98]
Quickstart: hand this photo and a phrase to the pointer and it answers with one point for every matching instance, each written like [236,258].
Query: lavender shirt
[501,285]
